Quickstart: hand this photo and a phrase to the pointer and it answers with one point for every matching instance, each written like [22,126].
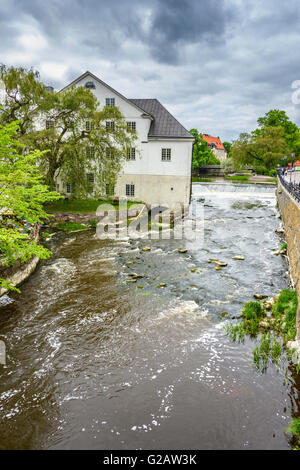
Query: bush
[252,310]
[70,226]
[93,223]
[294,428]
[286,305]
[261,170]
[227,166]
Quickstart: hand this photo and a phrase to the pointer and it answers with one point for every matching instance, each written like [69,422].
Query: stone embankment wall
[290,213]
[18,273]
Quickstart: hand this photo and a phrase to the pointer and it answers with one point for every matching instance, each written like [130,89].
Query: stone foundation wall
[290,212]
[18,273]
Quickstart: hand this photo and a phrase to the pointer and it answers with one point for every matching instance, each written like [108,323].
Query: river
[96,363]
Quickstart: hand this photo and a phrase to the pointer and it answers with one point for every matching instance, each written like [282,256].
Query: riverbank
[290,212]
[96,362]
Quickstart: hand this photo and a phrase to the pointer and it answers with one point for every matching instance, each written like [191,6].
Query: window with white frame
[90,180]
[110,125]
[109,152]
[110,189]
[49,124]
[131,126]
[110,102]
[90,152]
[69,188]
[166,155]
[89,126]
[130,189]
[130,153]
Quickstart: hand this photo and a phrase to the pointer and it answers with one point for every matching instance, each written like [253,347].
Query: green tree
[22,195]
[25,97]
[202,153]
[265,148]
[291,132]
[228,146]
[76,134]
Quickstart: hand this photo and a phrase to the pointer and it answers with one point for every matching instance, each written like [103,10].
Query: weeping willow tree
[22,196]
[79,138]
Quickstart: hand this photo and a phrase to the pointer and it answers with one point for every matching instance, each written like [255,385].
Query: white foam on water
[186,308]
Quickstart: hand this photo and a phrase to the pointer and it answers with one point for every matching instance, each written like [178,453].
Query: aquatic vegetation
[283,246]
[93,223]
[294,429]
[69,226]
[252,310]
[277,329]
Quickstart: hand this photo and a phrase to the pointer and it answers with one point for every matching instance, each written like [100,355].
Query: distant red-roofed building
[216,145]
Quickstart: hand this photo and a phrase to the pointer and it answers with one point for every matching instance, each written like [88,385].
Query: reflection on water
[95,362]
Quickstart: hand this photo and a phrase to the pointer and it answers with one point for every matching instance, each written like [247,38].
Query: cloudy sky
[217,65]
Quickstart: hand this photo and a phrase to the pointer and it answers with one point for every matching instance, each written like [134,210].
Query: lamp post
[292,166]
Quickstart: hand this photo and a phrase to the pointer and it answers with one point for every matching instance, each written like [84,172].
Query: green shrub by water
[294,429]
[252,310]
[276,329]
[69,226]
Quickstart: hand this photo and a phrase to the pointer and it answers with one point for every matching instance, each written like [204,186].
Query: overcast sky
[217,65]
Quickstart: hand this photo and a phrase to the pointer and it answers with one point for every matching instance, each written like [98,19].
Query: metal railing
[292,188]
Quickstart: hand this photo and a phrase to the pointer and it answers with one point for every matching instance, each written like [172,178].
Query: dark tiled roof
[163,124]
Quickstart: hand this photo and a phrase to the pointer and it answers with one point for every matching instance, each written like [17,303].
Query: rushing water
[94,362]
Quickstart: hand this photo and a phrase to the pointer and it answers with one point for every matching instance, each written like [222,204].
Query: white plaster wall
[171,191]
[129,111]
[149,162]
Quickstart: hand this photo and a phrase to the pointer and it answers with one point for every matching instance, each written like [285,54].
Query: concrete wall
[290,212]
[18,273]
[156,189]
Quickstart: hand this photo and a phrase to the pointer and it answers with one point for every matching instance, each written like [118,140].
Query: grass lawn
[237,178]
[200,179]
[81,205]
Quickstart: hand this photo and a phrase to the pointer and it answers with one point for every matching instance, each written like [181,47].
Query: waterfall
[210,189]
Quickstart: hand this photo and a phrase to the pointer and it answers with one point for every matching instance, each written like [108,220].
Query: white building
[159,169]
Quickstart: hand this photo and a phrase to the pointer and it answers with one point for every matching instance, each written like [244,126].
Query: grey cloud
[217,64]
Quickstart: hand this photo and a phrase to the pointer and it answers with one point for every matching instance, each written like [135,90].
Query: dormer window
[90,85]
[110,102]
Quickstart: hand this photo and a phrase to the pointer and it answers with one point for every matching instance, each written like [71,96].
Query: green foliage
[291,133]
[227,166]
[294,429]
[252,310]
[22,195]
[70,226]
[238,178]
[264,148]
[93,223]
[283,246]
[25,97]
[202,153]
[228,147]
[281,324]
[72,150]
[285,310]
